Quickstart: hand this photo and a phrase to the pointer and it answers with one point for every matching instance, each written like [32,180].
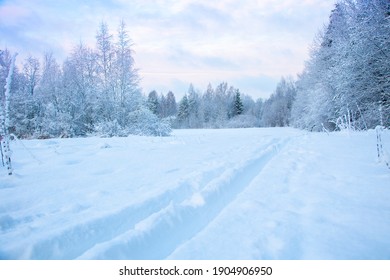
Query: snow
[271,193]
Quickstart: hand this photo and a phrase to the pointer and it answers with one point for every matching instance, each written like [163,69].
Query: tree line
[345,84]
[95,91]
[225,107]
[346,81]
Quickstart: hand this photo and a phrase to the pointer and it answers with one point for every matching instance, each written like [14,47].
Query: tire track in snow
[162,232]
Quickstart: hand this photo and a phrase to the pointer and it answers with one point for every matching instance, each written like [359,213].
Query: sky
[250,44]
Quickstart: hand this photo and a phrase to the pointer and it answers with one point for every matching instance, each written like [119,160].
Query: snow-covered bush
[55,124]
[110,129]
[143,122]
[139,122]
[242,121]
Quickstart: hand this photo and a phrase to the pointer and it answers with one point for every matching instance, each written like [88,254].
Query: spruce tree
[183,113]
[171,104]
[152,102]
[238,106]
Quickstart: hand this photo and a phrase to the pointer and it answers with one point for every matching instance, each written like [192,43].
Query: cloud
[259,86]
[196,41]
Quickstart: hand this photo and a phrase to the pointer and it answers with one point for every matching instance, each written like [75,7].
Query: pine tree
[171,104]
[183,113]
[162,106]
[152,102]
[238,106]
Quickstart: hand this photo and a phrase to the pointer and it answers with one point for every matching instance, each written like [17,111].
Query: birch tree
[4,119]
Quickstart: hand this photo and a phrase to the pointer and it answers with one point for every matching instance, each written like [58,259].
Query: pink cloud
[11,14]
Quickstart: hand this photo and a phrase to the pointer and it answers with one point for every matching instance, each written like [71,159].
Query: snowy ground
[199,194]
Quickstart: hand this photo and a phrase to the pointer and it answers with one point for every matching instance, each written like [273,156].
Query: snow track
[73,242]
[156,236]
[200,194]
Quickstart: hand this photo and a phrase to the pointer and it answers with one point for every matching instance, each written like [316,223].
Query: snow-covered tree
[95,90]
[125,79]
[194,108]
[118,91]
[276,111]
[216,108]
[162,106]
[171,107]
[221,104]
[152,103]
[5,118]
[80,100]
[238,106]
[105,54]
[183,113]
[208,105]
[28,103]
[370,60]
[31,68]
[49,96]
[346,81]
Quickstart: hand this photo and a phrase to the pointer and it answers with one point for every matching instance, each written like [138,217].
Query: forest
[345,85]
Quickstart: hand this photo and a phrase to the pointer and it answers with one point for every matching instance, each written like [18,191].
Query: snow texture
[199,194]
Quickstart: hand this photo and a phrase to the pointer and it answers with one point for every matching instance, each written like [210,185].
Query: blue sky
[249,44]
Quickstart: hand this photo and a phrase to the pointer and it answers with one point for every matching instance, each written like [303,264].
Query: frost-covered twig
[324,129]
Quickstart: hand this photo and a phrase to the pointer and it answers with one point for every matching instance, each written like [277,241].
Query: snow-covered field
[199,194]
